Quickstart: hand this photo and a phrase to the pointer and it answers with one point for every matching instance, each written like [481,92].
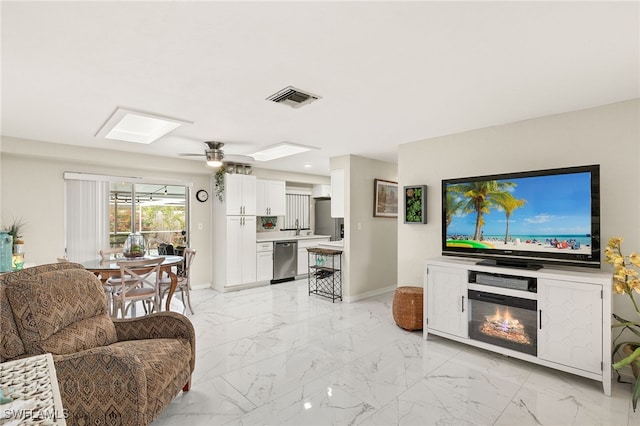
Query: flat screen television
[524,219]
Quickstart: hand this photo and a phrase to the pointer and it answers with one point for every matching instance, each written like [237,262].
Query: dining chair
[184,279]
[110,253]
[113,281]
[143,285]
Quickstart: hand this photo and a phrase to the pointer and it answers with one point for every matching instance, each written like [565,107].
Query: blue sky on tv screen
[555,205]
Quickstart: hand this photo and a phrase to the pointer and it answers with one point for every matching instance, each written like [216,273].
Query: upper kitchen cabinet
[270,197]
[321,191]
[337,193]
[240,194]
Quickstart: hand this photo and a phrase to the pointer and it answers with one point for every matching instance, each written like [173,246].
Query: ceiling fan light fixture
[214,157]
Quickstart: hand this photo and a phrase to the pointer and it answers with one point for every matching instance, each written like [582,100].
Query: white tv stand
[573,314]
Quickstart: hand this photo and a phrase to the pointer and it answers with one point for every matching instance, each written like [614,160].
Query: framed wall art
[385,198]
[415,204]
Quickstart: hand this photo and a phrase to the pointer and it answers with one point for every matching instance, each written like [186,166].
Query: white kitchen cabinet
[240,194]
[270,197]
[321,191]
[446,301]
[337,193]
[303,257]
[572,312]
[241,250]
[570,324]
[264,261]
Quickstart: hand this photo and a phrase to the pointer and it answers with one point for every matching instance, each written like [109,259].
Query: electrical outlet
[200,226]
[359,226]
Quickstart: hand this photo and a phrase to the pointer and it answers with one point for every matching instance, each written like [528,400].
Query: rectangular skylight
[283,149]
[135,126]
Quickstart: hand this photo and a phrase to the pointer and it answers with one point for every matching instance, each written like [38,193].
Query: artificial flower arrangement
[626,280]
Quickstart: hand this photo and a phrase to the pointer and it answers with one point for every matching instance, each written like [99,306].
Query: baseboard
[369,294]
[201,286]
[244,286]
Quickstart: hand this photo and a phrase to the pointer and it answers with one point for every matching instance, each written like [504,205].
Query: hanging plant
[220,182]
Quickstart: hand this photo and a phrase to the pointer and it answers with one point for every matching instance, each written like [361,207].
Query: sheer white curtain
[86,218]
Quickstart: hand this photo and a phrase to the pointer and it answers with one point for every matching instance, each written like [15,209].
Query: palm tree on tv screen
[509,204]
[481,196]
[454,205]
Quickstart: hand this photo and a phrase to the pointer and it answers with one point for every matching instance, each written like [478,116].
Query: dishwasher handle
[287,243]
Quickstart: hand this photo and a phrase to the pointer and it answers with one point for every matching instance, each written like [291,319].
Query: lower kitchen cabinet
[264,261]
[241,250]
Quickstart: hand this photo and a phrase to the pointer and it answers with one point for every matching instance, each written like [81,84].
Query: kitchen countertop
[332,244]
[264,239]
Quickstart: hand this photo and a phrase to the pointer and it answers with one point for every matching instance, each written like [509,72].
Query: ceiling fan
[216,157]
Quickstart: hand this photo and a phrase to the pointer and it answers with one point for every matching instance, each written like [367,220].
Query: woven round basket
[407,307]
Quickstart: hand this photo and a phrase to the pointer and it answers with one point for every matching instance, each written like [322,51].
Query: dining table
[104,269]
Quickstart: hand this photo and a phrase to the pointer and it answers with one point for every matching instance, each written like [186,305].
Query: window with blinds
[298,206]
[101,210]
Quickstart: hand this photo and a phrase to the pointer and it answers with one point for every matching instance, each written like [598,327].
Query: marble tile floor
[277,356]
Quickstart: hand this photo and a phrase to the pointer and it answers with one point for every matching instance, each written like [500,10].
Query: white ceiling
[388,72]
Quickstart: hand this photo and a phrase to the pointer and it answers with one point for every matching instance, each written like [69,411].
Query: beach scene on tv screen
[541,213]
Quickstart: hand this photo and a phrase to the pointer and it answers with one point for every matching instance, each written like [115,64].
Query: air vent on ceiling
[293,97]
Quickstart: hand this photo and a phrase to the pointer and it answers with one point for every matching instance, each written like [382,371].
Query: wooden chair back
[141,284]
[189,255]
[110,253]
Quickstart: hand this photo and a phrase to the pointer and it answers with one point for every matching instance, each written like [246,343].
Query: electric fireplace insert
[502,320]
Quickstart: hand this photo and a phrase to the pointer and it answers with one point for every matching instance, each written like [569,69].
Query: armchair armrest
[101,384]
[160,325]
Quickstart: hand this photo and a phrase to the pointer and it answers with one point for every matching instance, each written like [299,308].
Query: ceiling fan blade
[188,154]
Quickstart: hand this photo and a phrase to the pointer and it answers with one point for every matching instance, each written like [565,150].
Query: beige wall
[607,135]
[32,188]
[370,242]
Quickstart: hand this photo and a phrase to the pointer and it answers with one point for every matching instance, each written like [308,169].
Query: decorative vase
[18,261]
[6,242]
[18,248]
[134,246]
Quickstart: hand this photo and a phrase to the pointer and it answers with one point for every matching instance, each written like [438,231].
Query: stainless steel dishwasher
[285,261]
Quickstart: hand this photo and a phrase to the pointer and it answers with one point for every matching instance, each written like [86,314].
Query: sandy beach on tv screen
[538,246]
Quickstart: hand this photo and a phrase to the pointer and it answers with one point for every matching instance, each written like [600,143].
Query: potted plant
[134,245]
[626,280]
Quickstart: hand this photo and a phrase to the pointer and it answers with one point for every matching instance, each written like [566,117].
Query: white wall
[370,242]
[607,135]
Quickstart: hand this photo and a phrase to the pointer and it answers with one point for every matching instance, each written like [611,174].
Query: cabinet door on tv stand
[447,300]
[570,324]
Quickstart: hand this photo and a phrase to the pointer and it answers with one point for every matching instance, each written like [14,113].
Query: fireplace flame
[503,325]
[504,318]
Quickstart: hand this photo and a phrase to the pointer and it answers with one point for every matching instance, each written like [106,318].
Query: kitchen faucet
[297,227]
